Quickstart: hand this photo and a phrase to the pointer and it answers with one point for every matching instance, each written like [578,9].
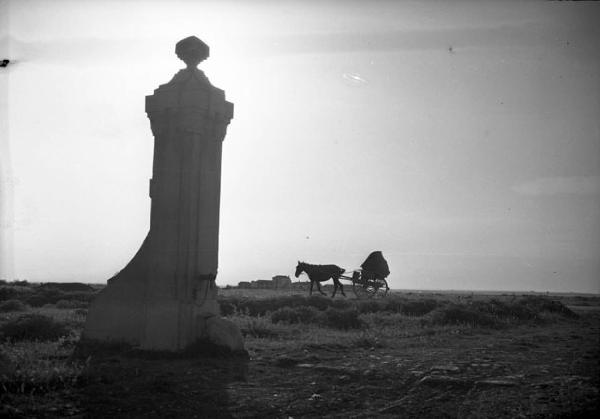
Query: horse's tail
[342,270]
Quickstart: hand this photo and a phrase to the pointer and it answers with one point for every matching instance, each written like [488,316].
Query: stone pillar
[165,298]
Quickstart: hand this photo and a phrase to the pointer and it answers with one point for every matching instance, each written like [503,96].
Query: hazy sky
[462,139]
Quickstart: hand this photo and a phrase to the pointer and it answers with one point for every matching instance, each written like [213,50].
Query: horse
[321,273]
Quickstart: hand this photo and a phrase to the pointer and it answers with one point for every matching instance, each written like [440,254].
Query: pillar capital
[192,51]
[190,91]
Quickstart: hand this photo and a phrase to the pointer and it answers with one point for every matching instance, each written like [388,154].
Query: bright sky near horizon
[462,139]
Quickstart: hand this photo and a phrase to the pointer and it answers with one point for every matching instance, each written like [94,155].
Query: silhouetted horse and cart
[367,282]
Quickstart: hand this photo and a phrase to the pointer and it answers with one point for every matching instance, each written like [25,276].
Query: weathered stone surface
[162,299]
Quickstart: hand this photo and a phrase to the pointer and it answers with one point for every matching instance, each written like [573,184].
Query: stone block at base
[224,333]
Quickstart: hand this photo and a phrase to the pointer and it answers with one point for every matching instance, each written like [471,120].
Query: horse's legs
[338,283]
[335,287]
[319,288]
[311,286]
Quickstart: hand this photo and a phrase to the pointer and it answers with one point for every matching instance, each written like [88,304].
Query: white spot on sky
[354,78]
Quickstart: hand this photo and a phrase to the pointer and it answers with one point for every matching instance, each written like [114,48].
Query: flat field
[410,354]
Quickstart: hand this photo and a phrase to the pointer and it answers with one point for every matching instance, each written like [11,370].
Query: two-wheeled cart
[370,280]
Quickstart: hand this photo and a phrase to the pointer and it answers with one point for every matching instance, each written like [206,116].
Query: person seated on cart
[375,266]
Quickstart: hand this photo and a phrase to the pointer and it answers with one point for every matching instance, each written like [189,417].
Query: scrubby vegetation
[13,305]
[457,314]
[343,319]
[71,304]
[495,313]
[392,304]
[37,340]
[33,327]
[40,295]
[302,314]
[40,325]
[350,314]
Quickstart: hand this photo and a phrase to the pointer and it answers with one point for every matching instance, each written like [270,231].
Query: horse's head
[299,269]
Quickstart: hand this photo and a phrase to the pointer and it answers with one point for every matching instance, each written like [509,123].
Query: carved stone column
[165,298]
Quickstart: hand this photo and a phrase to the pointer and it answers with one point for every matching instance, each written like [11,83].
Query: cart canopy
[377,264]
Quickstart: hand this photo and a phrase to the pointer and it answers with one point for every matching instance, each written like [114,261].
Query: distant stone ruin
[282,282]
[278,282]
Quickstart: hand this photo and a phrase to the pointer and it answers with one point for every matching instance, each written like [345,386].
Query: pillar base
[124,313]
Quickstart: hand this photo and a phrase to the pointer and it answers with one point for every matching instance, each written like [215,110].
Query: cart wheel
[358,286]
[372,288]
[362,291]
[366,289]
[383,288]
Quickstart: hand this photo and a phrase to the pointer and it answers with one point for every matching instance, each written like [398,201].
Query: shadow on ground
[133,385]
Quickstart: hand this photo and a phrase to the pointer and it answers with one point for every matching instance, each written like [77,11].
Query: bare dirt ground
[527,372]
[549,370]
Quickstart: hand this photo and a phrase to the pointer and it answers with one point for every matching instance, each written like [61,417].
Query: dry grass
[10,306]
[355,331]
